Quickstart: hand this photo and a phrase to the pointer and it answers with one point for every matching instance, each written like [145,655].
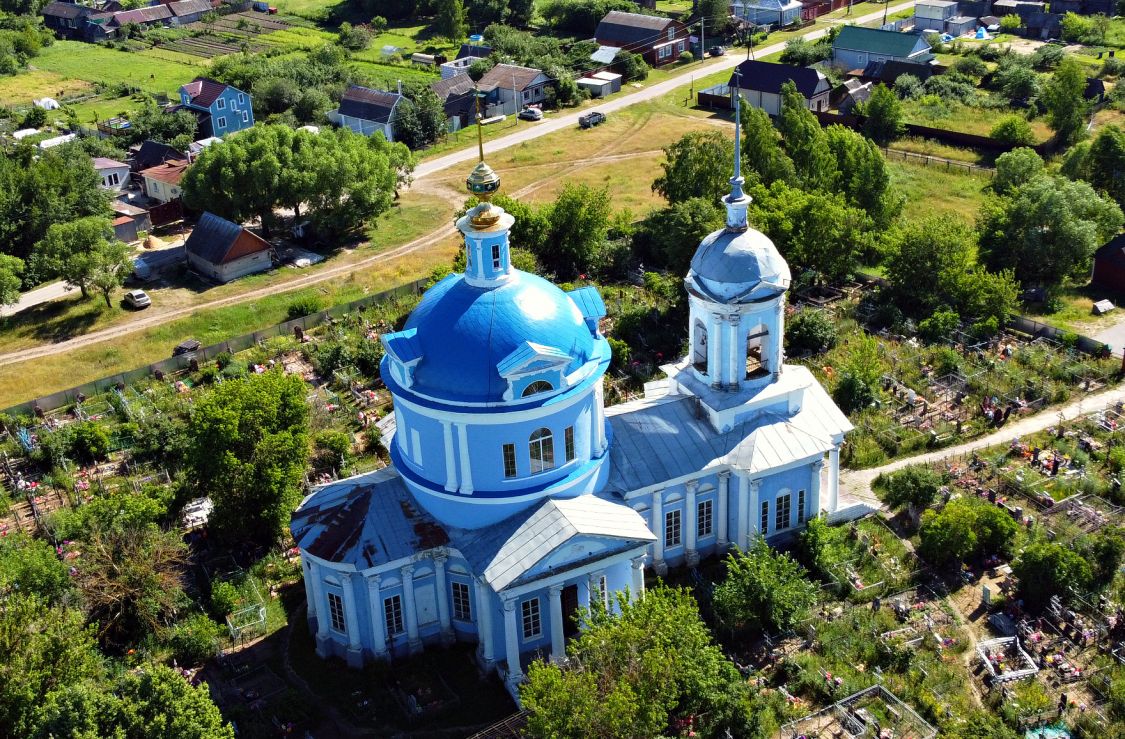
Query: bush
[810,331]
[853,394]
[970,66]
[304,306]
[913,487]
[1009,24]
[1013,130]
[195,640]
[1113,66]
[1047,57]
[908,87]
[938,326]
[224,598]
[335,445]
[687,56]
[89,442]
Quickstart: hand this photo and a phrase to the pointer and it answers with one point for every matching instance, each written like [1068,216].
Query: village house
[367,111]
[457,99]
[162,182]
[220,109]
[856,47]
[760,83]
[153,15]
[511,87]
[659,40]
[224,251]
[114,175]
[77,22]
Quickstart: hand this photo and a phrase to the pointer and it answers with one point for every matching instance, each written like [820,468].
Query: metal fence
[230,346]
[928,160]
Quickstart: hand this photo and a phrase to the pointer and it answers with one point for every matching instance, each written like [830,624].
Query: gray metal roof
[508,551]
[365,521]
[658,441]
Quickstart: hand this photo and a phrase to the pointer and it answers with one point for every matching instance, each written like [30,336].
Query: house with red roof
[220,109]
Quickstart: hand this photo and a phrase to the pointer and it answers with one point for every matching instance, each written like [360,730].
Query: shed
[225,251]
[930,15]
[125,229]
[601,84]
[1095,90]
[368,111]
[604,55]
[1109,265]
[959,25]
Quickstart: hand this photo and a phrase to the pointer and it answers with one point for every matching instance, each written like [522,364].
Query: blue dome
[465,331]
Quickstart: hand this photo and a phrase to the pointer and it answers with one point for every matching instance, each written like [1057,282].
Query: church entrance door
[570,610]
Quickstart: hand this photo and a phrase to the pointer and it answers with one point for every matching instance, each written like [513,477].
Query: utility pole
[886,7]
[702,39]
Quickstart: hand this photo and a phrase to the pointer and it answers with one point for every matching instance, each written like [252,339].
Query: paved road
[424,170]
[857,483]
[38,295]
[570,120]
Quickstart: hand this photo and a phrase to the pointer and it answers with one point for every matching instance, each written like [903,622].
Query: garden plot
[873,712]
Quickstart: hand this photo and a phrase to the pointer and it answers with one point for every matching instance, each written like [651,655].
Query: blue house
[516,498]
[221,109]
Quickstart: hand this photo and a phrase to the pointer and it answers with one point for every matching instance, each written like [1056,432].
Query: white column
[410,609]
[691,525]
[375,604]
[321,605]
[724,491]
[599,419]
[777,344]
[310,588]
[714,349]
[355,647]
[484,621]
[754,487]
[466,469]
[558,636]
[744,513]
[833,480]
[450,472]
[443,598]
[637,590]
[511,641]
[814,486]
[734,354]
[658,526]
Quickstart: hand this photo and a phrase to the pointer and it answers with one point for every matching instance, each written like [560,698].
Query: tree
[1010,23]
[1015,130]
[420,118]
[176,129]
[764,590]
[805,141]
[914,488]
[249,449]
[864,179]
[967,528]
[810,331]
[1104,552]
[450,19]
[353,38]
[634,672]
[158,701]
[699,165]
[75,250]
[130,579]
[578,224]
[761,147]
[631,66]
[669,236]
[1049,568]
[1065,102]
[31,566]
[1016,168]
[884,116]
[716,16]
[817,231]
[1047,229]
[11,269]
[1105,163]
[43,649]
[110,266]
[935,247]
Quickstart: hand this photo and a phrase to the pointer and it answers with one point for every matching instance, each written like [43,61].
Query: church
[515,497]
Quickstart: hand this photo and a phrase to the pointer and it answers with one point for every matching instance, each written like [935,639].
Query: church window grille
[706,518]
[539,386]
[509,460]
[568,436]
[765,517]
[603,591]
[462,610]
[801,514]
[336,611]
[781,515]
[392,613]
[496,256]
[672,530]
[542,449]
[532,622]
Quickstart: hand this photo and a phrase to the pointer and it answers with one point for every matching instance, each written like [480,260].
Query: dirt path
[857,483]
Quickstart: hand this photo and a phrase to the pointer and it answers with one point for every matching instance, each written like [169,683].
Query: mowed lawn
[935,191]
[74,60]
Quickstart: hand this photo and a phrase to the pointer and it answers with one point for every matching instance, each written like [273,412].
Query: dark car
[716,51]
[591,119]
[186,347]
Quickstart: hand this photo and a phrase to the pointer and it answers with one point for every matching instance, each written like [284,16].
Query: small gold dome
[483,183]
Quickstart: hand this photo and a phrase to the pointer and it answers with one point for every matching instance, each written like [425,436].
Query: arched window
[541,446]
[539,386]
[699,351]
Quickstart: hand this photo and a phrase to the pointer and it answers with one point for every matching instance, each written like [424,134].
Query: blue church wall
[790,481]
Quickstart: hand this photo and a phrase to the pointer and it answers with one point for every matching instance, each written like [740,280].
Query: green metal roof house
[856,47]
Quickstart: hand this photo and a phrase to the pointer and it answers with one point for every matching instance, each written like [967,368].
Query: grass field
[934,191]
[958,117]
[21,89]
[92,63]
